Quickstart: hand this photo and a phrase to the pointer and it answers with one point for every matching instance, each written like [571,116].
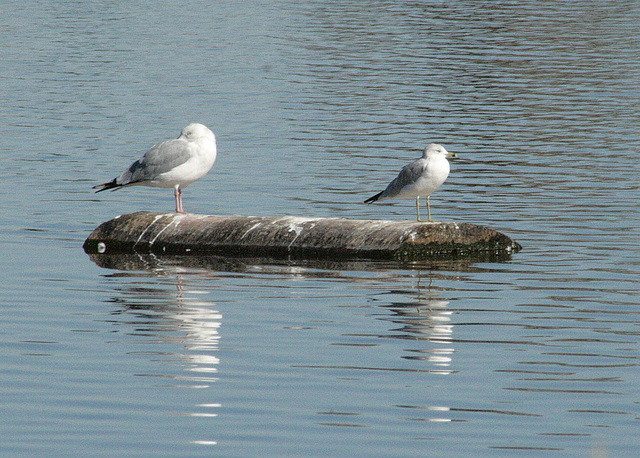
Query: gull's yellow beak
[450,154]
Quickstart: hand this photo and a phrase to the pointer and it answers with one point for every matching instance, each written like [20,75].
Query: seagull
[171,164]
[420,178]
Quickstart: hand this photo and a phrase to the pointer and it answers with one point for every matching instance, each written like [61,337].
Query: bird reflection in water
[426,319]
[167,313]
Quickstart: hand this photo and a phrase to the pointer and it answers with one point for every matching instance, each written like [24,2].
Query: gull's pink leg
[178,195]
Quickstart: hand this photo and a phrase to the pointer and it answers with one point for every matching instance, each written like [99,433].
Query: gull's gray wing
[407,176]
[160,159]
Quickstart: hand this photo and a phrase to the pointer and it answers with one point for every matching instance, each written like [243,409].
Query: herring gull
[171,164]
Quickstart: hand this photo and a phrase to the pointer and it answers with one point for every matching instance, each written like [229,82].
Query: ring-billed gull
[420,178]
[172,163]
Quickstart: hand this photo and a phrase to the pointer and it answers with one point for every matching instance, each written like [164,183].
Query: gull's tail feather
[373,198]
[113,185]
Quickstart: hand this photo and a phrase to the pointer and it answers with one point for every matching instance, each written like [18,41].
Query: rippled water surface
[316,106]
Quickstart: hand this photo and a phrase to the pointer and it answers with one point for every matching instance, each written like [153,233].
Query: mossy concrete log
[294,237]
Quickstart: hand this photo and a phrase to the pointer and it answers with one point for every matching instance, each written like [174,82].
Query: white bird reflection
[182,317]
[428,321]
[201,326]
[425,317]
[166,311]
[426,326]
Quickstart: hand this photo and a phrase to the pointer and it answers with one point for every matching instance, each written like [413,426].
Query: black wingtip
[373,198]
[104,186]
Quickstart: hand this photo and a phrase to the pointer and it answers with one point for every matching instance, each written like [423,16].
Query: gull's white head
[435,150]
[195,131]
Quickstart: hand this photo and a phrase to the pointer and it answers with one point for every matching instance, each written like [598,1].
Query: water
[316,106]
